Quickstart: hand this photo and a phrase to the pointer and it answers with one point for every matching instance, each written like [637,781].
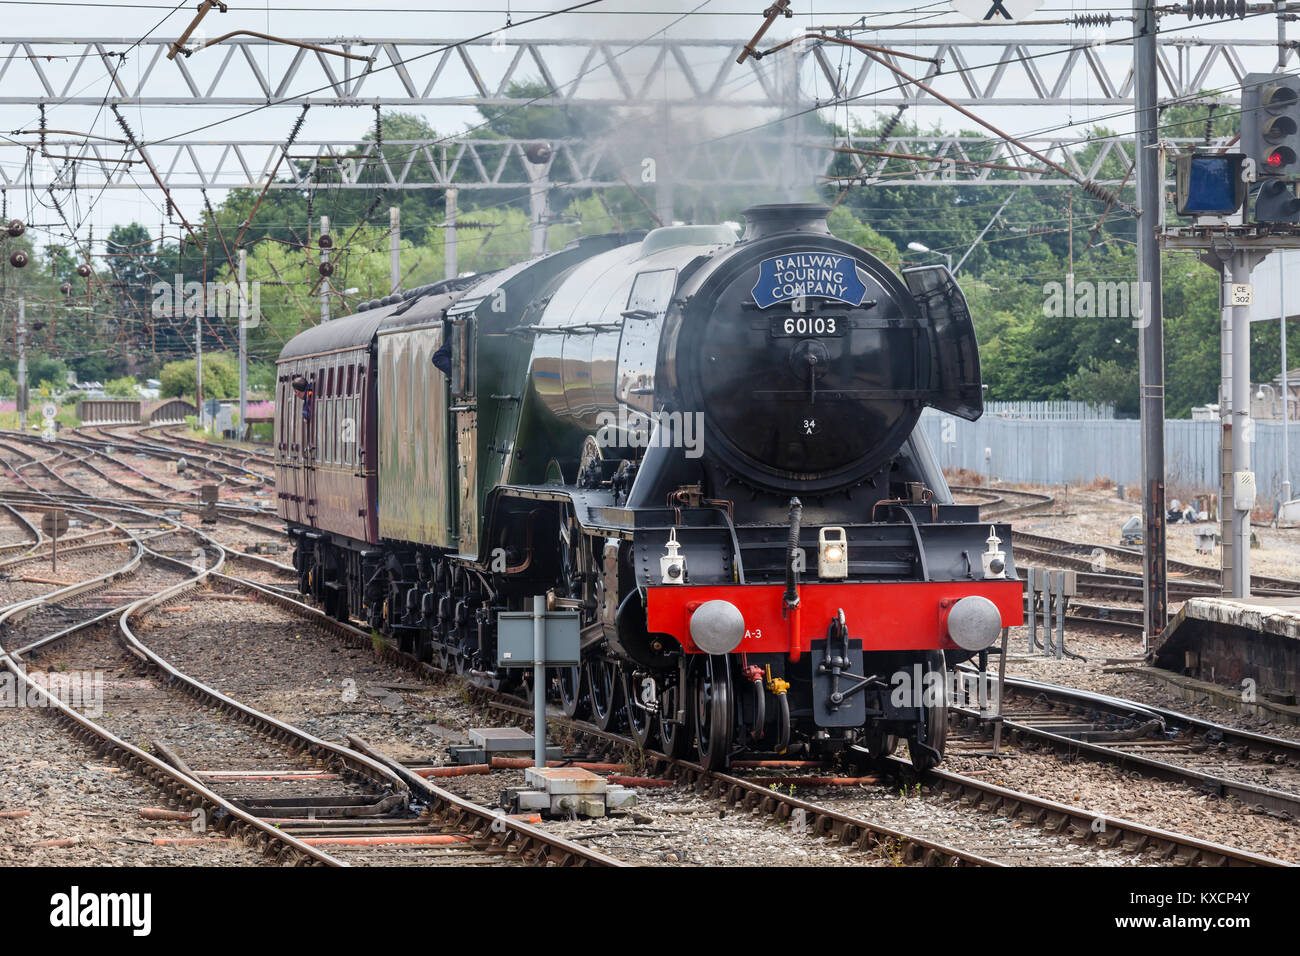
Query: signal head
[1270,123]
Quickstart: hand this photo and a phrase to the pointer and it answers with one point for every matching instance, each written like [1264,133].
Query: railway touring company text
[808,275]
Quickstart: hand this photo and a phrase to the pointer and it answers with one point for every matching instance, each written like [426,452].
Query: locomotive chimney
[804,217]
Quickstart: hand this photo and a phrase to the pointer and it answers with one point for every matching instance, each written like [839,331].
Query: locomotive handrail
[735,544]
[916,532]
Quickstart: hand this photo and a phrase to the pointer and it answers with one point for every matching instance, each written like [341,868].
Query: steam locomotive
[704,447]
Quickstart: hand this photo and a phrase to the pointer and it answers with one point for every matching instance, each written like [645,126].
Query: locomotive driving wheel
[926,747]
[573,693]
[577,584]
[714,718]
[674,737]
[641,719]
[605,688]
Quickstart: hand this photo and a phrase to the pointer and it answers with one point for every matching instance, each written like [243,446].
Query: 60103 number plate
[823,326]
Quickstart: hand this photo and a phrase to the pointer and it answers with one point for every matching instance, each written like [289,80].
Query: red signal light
[1275,159]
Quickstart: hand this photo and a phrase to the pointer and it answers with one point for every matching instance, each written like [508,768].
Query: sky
[333,21]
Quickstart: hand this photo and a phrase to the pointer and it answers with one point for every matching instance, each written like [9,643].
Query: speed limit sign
[49,410]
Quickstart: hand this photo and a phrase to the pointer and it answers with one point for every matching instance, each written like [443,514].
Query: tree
[220,377]
[43,368]
[124,387]
[1107,382]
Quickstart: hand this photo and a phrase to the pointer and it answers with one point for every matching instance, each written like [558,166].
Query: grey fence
[1049,411]
[1081,451]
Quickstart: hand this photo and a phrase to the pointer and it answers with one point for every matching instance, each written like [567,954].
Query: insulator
[1092,20]
[326,242]
[66,288]
[891,124]
[1100,192]
[16,228]
[297,126]
[83,270]
[326,269]
[18,258]
[121,121]
[538,152]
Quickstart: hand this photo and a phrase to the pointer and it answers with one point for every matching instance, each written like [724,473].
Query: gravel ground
[284,666]
[674,826]
[71,793]
[254,652]
[1109,790]
[139,710]
[72,568]
[11,531]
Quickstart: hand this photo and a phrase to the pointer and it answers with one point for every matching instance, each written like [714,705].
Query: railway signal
[1210,184]
[1270,135]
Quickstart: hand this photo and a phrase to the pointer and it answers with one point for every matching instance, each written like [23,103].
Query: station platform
[1248,646]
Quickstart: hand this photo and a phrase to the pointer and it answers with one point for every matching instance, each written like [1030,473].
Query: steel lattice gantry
[678,80]
[478,164]
[246,71]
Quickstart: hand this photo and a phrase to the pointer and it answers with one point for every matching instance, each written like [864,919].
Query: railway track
[849,825]
[253,518]
[1004,503]
[372,812]
[1096,576]
[1256,770]
[753,795]
[1069,554]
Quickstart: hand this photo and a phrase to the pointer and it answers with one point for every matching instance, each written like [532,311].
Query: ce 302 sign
[1007,10]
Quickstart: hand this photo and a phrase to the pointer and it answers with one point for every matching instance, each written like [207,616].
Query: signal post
[1242,207]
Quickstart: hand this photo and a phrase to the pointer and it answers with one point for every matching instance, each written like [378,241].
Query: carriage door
[464,410]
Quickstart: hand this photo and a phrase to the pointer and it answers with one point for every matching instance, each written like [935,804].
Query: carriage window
[331,454]
[338,427]
[351,448]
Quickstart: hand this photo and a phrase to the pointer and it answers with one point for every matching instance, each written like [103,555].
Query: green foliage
[261,377]
[47,371]
[220,377]
[123,387]
[1102,382]
[8,384]
[845,226]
